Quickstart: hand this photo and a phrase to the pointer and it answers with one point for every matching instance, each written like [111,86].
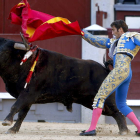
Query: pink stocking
[95,117]
[134,119]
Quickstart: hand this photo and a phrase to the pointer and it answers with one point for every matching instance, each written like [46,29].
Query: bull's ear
[25,42]
[20,46]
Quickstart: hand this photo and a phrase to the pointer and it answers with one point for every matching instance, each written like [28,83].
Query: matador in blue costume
[122,50]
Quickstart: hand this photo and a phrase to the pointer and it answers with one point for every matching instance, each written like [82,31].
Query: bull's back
[63,73]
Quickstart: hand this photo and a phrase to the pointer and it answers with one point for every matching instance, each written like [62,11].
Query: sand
[65,131]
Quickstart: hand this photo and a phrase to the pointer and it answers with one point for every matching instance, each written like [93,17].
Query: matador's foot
[90,133]
[136,132]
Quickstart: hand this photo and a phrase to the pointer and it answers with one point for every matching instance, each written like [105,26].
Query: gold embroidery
[131,34]
[120,45]
[127,39]
[121,41]
[113,80]
[112,40]
[132,52]
[99,42]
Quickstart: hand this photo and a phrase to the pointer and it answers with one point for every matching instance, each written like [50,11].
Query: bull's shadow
[56,78]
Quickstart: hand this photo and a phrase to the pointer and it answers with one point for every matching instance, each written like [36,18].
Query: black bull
[57,78]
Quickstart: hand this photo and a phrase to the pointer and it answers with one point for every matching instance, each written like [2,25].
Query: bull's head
[20,46]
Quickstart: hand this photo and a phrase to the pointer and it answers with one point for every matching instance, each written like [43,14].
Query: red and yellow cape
[39,26]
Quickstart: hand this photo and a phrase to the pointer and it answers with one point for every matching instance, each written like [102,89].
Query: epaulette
[131,34]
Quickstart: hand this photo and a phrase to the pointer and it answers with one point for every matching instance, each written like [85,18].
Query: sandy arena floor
[64,131]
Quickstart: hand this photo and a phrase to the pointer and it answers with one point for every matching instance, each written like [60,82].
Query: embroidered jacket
[129,43]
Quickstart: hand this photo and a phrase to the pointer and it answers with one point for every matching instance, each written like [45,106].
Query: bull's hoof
[6,123]
[10,131]
[123,133]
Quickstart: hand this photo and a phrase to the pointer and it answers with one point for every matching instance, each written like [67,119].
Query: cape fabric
[40,26]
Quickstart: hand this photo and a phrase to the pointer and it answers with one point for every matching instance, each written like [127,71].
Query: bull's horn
[20,46]
[24,41]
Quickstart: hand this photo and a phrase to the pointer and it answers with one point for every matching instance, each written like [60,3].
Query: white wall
[91,52]
[106,6]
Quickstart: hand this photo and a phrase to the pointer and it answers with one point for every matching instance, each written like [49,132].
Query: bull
[56,78]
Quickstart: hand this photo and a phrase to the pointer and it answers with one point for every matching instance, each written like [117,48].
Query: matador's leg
[115,78]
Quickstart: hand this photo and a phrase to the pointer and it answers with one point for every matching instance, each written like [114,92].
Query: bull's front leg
[22,102]
[111,110]
[22,114]
[121,121]
[9,119]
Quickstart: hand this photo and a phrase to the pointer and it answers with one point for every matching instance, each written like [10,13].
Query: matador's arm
[100,42]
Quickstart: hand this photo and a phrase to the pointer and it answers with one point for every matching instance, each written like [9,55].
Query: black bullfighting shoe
[136,132]
[90,133]
[83,131]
